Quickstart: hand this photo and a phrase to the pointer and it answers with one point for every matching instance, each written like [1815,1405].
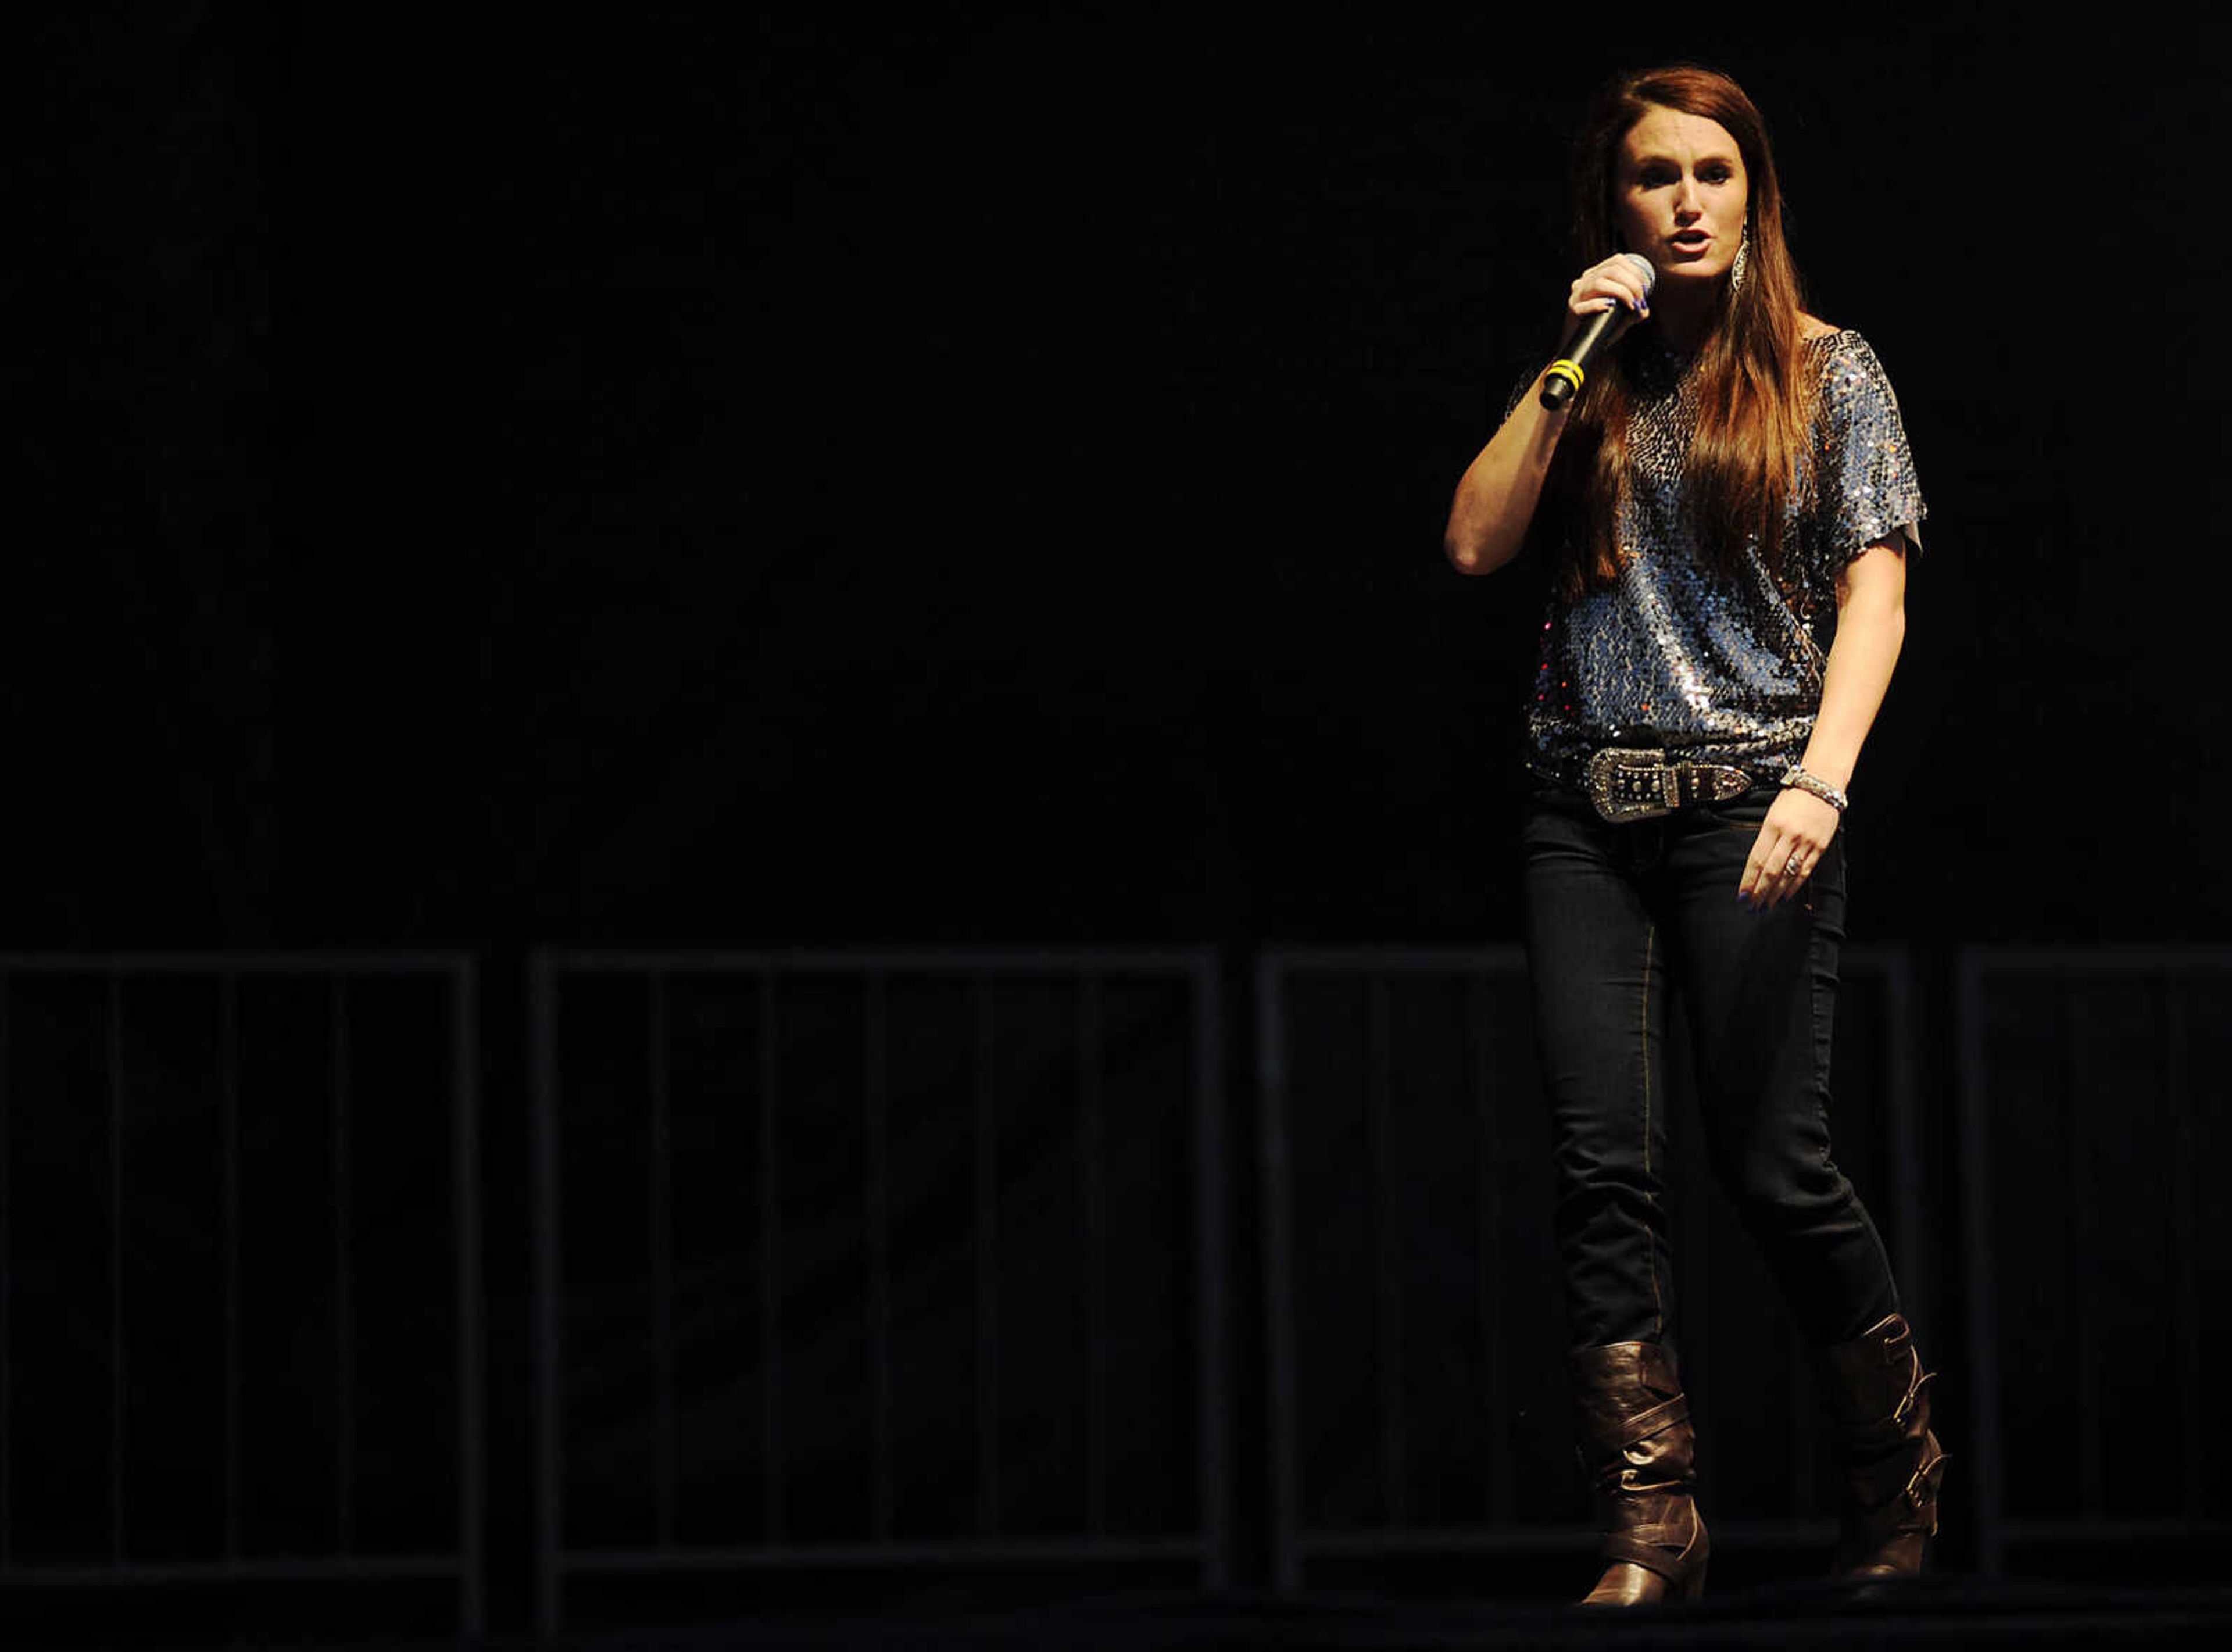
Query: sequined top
[1727,670]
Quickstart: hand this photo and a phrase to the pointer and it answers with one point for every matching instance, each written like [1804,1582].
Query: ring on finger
[1796,867]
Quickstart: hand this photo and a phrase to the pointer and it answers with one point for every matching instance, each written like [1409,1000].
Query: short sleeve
[1867,486]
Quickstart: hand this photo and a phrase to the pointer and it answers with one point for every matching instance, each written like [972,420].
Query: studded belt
[1636,783]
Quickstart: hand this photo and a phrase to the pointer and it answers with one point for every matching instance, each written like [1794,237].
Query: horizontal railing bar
[1393,960]
[919,960]
[690,1558]
[2004,960]
[1472,960]
[1547,1539]
[2085,1531]
[447,1568]
[222,963]
[2136,959]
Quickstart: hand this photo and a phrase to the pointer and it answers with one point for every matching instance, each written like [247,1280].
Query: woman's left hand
[1789,846]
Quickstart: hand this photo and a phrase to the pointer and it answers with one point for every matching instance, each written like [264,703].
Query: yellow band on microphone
[1569,371]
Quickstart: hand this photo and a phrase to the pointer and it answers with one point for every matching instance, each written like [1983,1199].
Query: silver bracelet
[1819,787]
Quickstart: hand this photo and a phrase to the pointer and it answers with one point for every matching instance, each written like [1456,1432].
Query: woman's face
[1679,194]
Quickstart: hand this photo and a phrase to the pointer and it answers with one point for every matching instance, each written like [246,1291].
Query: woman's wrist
[1800,778]
[1827,765]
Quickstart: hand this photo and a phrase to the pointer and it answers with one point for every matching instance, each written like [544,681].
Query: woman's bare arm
[1496,496]
[1871,626]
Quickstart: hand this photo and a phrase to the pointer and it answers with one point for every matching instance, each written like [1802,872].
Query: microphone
[1567,372]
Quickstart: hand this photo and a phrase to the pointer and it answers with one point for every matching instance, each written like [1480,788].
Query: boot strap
[1912,1509]
[1921,1491]
[1650,1557]
[1888,1434]
[1657,1420]
[1600,1452]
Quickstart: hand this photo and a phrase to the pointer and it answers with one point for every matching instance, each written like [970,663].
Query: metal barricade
[240,1296]
[1415,1333]
[2092,1106]
[863,1260]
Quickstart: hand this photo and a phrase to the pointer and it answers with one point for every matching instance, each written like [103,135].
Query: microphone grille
[1644,268]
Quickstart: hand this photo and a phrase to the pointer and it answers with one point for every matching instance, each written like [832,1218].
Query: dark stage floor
[1940,1612]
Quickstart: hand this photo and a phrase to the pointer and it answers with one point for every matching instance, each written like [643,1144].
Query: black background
[489,478]
[770,475]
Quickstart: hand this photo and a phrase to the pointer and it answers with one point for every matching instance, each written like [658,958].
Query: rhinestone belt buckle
[1631,784]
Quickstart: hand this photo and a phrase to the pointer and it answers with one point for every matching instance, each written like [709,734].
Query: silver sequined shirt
[1728,670]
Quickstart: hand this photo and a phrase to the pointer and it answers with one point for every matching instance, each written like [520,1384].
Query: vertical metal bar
[228,1063]
[1797,1444]
[1273,1148]
[7,1287]
[1208,1206]
[986,1171]
[1379,1059]
[118,1386]
[771,1486]
[549,1490]
[1481,1056]
[465,1215]
[2084,1247]
[1902,1170]
[1976,1246]
[2185,1244]
[1915,1278]
[1092,1215]
[344,1282]
[662,1264]
[883,1494]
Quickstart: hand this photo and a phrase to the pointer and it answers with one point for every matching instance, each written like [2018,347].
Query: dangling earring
[1742,260]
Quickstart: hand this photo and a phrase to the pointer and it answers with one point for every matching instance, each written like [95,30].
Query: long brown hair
[1753,402]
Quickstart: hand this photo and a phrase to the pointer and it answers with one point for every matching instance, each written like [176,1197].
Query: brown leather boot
[1640,1453]
[1879,1396]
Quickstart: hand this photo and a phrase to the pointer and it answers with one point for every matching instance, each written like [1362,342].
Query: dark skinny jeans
[1616,916]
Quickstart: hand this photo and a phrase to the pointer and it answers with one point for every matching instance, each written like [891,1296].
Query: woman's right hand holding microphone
[1615,284]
